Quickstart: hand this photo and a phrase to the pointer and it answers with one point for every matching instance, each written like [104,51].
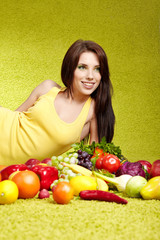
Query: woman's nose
[90,74]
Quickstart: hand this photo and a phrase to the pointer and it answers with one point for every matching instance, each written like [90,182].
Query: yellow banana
[102,185]
[78,169]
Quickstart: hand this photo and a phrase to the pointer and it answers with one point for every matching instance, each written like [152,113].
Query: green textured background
[34,36]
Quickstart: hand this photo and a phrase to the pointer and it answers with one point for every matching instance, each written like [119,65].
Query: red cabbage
[131,168]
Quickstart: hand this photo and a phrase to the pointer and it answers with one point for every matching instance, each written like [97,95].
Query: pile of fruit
[90,172]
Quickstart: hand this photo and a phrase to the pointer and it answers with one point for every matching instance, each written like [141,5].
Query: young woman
[54,117]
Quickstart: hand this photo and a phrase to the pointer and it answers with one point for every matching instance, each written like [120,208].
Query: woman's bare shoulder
[46,85]
[43,88]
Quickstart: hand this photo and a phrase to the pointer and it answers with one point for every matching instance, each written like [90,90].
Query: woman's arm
[41,89]
[93,130]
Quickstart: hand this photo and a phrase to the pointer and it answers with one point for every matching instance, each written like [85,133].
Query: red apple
[147,165]
[47,161]
[32,162]
[155,170]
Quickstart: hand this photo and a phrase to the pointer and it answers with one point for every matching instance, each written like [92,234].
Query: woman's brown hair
[102,95]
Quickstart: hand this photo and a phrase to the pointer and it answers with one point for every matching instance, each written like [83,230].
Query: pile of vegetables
[90,172]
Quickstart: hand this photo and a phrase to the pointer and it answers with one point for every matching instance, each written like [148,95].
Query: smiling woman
[54,117]
[102,95]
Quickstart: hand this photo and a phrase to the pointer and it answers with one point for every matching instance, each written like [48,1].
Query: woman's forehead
[88,58]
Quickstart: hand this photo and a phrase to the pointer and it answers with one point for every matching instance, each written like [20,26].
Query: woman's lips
[88,84]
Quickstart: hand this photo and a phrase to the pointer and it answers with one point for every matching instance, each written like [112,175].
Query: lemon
[8,192]
[80,183]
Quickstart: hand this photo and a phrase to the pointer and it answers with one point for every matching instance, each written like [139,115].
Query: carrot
[101,196]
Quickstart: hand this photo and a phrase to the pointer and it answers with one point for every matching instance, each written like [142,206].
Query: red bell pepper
[47,175]
[6,172]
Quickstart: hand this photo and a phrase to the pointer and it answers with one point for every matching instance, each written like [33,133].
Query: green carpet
[36,219]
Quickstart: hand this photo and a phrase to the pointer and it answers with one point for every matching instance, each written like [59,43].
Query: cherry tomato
[98,152]
[111,163]
[99,162]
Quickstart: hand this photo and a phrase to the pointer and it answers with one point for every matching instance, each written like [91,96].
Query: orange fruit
[8,192]
[28,183]
[62,193]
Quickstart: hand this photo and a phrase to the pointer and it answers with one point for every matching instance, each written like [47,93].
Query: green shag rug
[40,219]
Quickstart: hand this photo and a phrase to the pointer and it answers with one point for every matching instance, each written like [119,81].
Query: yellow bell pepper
[152,189]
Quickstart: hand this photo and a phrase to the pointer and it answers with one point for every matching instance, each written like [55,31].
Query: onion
[44,194]
[134,186]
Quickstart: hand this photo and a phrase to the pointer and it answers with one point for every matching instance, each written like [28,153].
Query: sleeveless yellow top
[39,132]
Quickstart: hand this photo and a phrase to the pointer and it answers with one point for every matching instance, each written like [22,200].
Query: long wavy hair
[102,95]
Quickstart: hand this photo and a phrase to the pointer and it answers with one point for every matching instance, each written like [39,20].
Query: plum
[47,161]
[32,162]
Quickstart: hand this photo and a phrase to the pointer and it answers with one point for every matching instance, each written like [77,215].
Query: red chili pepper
[6,172]
[47,175]
[101,196]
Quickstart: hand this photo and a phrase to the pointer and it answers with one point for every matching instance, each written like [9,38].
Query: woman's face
[87,75]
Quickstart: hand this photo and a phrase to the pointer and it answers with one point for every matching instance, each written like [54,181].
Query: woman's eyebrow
[82,64]
[87,64]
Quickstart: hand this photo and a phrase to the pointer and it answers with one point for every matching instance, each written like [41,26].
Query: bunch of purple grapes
[84,159]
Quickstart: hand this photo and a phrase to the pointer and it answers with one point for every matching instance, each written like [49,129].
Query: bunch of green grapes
[64,173]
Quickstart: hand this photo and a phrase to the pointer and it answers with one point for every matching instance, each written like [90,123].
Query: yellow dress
[39,132]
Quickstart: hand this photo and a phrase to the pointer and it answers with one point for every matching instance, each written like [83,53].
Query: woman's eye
[81,67]
[97,69]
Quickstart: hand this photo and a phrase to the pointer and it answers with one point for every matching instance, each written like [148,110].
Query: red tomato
[98,152]
[111,163]
[62,193]
[99,162]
